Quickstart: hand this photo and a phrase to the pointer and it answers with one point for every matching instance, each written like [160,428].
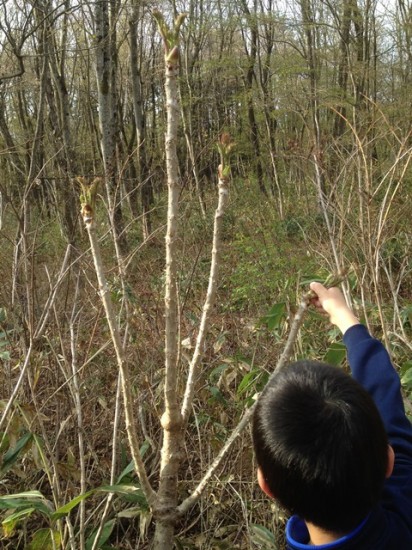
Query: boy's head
[320,445]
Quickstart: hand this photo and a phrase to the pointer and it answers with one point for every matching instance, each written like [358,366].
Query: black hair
[321,445]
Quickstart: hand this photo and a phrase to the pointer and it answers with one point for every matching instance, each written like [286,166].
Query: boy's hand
[332,302]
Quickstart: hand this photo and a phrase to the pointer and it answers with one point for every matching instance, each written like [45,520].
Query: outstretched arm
[371,367]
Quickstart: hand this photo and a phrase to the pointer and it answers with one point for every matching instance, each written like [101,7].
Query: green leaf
[251,380]
[130,512]
[336,354]
[406,316]
[217,396]
[13,454]
[26,494]
[120,489]
[4,354]
[144,448]
[130,467]
[406,379]
[275,316]
[130,493]
[9,524]
[217,371]
[66,509]
[3,315]
[104,535]
[44,539]
[263,537]
[310,277]
[4,441]
[134,493]
[23,501]
[23,504]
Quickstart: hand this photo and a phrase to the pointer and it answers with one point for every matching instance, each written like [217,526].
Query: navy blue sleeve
[372,368]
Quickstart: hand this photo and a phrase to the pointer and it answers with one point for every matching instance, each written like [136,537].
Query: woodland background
[316,95]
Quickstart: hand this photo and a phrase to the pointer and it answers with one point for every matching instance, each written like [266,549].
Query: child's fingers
[318,289]
[315,302]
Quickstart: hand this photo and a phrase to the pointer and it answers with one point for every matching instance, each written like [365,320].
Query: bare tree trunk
[250,77]
[340,115]
[266,40]
[308,19]
[106,60]
[193,48]
[146,191]
[67,156]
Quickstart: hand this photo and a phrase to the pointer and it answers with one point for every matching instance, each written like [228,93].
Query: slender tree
[106,73]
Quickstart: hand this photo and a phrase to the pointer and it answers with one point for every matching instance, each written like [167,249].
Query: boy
[336,451]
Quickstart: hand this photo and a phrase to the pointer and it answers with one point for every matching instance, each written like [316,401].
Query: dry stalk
[79,414]
[187,130]
[110,497]
[36,334]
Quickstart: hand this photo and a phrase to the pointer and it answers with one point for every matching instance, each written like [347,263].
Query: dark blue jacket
[389,526]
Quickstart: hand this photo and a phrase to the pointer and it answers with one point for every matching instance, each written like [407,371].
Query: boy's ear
[391,461]
[263,484]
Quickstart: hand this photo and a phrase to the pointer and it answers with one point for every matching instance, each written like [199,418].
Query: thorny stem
[124,371]
[171,421]
[209,301]
[171,349]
